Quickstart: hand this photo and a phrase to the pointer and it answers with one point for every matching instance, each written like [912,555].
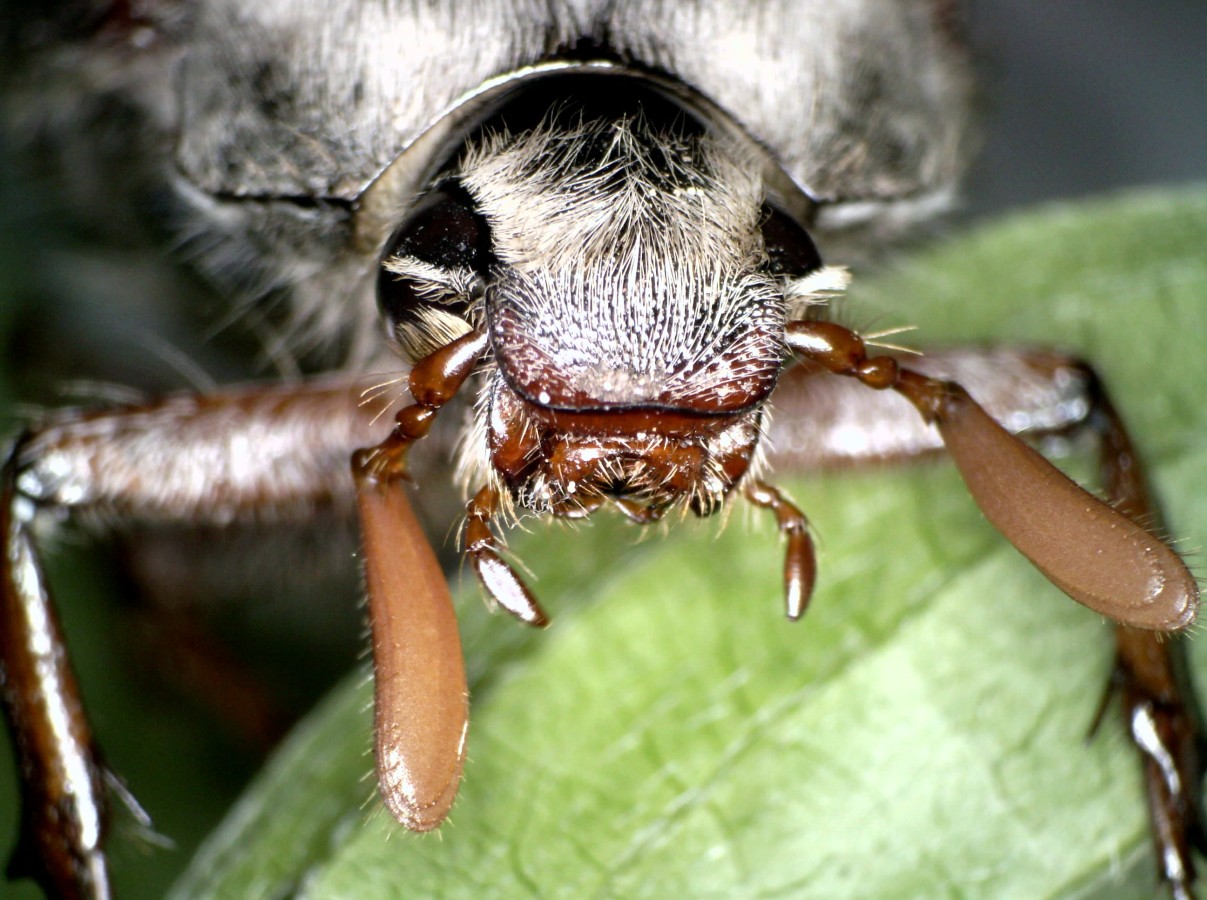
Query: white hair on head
[627,254]
[604,184]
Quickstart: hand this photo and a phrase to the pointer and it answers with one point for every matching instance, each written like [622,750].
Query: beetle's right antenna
[1094,553]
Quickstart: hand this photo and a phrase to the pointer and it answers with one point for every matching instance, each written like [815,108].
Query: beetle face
[634,301]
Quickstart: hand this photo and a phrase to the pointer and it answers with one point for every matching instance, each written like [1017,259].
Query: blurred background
[1081,97]
[1077,98]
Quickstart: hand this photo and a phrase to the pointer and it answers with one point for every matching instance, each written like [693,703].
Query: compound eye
[427,258]
[790,250]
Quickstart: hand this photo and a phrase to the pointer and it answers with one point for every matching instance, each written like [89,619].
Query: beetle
[603,230]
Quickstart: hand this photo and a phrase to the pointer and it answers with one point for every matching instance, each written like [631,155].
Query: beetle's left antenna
[421,706]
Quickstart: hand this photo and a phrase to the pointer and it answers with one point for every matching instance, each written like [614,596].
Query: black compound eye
[442,230]
[790,250]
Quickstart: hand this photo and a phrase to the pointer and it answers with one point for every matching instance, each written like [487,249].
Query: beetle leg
[184,459]
[800,561]
[63,808]
[1154,682]
[499,579]
[1163,723]
[822,421]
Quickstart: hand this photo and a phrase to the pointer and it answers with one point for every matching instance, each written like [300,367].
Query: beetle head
[635,286]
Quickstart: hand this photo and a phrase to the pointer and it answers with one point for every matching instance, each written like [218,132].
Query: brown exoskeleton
[601,231]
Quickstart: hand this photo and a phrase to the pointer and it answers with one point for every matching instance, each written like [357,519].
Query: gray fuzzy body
[257,127]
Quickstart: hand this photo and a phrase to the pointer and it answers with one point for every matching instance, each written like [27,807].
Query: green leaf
[920,734]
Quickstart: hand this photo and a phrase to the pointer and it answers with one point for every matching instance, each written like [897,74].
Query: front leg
[1157,695]
[63,809]
[246,455]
